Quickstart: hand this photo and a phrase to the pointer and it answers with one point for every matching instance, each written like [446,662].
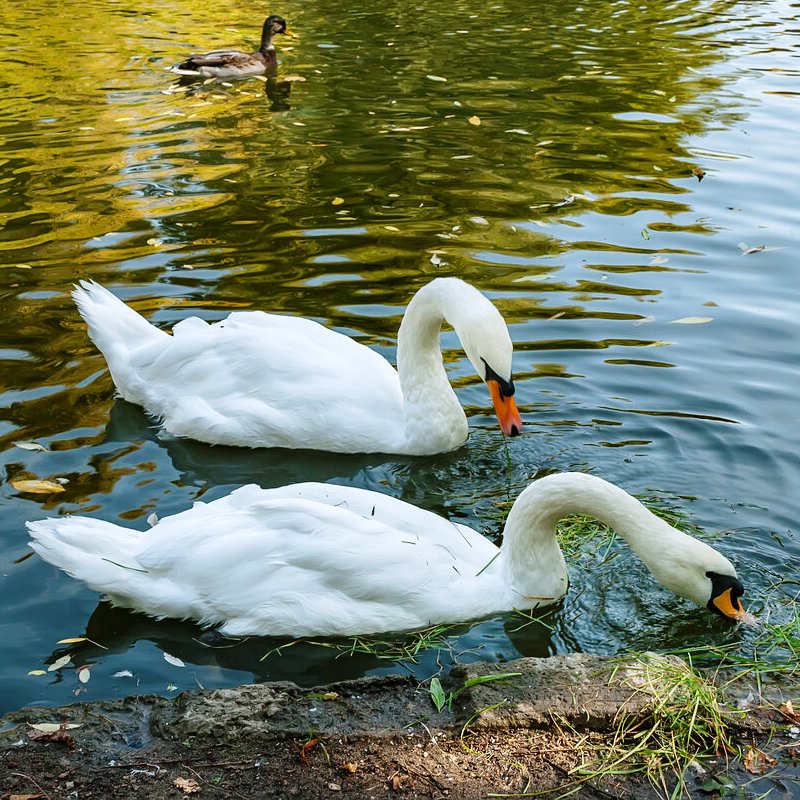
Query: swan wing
[270,565]
[266,380]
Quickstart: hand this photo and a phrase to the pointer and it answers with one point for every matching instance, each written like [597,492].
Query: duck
[315,559]
[256,379]
[236,63]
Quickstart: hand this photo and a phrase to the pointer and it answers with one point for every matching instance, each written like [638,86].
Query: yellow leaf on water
[58,663]
[72,640]
[474,120]
[293,79]
[692,320]
[436,78]
[37,487]
[337,201]
[37,672]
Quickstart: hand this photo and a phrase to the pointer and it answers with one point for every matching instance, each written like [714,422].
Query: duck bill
[506,410]
[732,609]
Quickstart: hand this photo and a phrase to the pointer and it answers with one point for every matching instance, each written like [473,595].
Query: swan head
[488,347]
[706,577]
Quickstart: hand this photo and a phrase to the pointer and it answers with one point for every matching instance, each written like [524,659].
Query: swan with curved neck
[268,380]
[318,559]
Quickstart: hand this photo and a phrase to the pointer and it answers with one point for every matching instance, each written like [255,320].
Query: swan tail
[100,554]
[112,324]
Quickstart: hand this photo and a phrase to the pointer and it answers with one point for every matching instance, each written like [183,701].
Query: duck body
[236,63]
[267,380]
[319,559]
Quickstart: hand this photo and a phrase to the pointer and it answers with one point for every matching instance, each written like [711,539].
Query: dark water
[573,204]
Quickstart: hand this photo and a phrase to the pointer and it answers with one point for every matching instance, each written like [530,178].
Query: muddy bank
[378,737]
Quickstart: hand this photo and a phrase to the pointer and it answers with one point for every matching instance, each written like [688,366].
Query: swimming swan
[267,380]
[315,559]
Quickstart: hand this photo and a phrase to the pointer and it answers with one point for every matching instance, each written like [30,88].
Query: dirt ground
[372,738]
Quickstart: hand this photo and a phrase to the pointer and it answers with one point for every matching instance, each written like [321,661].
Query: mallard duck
[315,559]
[266,380]
[235,63]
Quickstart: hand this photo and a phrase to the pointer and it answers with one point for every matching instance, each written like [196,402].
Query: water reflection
[543,152]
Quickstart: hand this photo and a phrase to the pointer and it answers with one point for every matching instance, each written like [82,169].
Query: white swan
[318,559]
[267,380]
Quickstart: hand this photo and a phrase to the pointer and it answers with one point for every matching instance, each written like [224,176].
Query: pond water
[620,178]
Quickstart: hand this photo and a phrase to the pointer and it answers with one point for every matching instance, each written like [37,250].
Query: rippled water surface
[549,153]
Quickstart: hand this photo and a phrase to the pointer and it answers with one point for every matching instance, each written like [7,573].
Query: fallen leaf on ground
[309,745]
[349,766]
[789,711]
[52,727]
[37,487]
[24,796]
[757,761]
[395,782]
[187,785]
[57,736]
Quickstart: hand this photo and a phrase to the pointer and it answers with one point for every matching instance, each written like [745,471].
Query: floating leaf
[72,640]
[520,131]
[543,143]
[692,320]
[38,672]
[84,674]
[645,234]
[37,487]
[123,673]
[152,519]
[155,242]
[698,173]
[436,78]
[174,660]
[474,120]
[293,79]
[392,228]
[337,201]
[59,662]
[39,448]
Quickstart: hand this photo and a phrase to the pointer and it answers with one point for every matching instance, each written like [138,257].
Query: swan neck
[530,539]
[428,398]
